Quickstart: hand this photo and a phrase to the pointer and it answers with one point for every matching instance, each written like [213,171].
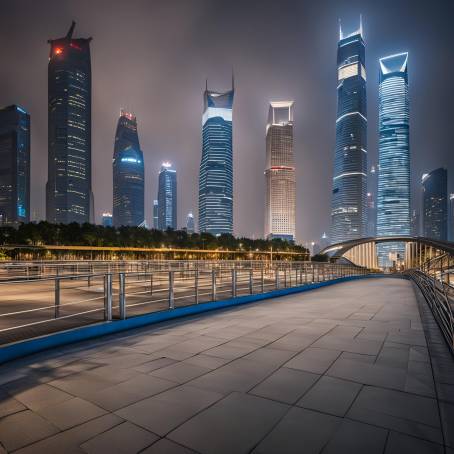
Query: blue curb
[27,347]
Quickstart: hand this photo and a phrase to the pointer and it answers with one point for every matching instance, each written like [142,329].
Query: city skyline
[246,148]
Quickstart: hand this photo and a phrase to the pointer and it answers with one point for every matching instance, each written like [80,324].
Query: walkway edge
[27,347]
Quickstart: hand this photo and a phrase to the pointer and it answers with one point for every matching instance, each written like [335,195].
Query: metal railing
[435,279]
[33,307]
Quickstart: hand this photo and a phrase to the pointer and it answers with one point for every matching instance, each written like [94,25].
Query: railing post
[151,284]
[108,297]
[323,272]
[234,283]
[171,290]
[276,271]
[213,285]
[262,281]
[285,277]
[251,277]
[196,286]
[57,297]
[121,296]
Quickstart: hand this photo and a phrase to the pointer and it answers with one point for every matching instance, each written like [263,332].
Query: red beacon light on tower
[58,51]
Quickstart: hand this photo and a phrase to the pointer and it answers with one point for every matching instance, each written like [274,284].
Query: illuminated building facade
[106,219]
[393,202]
[451,218]
[190,223]
[167,197]
[69,195]
[372,201]
[216,167]
[155,214]
[280,196]
[435,204]
[128,174]
[348,203]
[14,165]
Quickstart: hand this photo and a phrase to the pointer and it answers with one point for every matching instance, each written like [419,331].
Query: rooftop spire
[69,35]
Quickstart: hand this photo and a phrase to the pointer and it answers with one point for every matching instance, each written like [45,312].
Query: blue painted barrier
[30,346]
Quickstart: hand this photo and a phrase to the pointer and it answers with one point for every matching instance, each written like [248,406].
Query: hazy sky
[152,57]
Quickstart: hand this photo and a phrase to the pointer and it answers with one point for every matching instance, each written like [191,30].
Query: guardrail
[46,305]
[435,280]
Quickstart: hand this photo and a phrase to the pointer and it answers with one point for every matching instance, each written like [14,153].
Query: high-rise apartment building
[14,165]
[190,223]
[128,174]
[69,195]
[216,166]
[348,203]
[167,197]
[393,202]
[106,219]
[280,195]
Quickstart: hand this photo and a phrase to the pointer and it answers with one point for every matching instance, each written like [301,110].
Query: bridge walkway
[353,368]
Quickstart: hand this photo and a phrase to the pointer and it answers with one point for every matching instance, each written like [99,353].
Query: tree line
[74,234]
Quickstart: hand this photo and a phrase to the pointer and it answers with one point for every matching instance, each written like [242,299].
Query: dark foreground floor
[343,369]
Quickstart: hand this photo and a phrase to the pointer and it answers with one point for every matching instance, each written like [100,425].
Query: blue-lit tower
[167,197]
[69,195]
[216,167]
[393,202]
[14,165]
[349,196]
[128,174]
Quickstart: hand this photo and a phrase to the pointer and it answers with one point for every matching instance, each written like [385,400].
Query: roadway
[354,368]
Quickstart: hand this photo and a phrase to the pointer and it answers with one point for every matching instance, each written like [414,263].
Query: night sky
[152,57]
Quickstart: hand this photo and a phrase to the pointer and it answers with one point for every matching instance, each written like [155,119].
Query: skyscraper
[155,214]
[14,165]
[190,224]
[69,196]
[167,197]
[107,219]
[280,196]
[435,204]
[216,167]
[451,218]
[372,201]
[128,174]
[393,204]
[348,203]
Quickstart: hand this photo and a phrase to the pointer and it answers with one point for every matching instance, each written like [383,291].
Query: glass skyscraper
[14,165]
[451,218]
[155,214]
[216,167]
[69,195]
[128,174]
[348,203]
[435,204]
[167,197]
[106,219]
[393,207]
[280,196]
[190,224]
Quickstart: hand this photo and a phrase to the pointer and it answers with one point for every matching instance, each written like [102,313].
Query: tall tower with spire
[216,166]
[68,191]
[349,195]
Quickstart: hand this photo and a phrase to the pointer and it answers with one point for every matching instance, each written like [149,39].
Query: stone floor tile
[9,405]
[165,446]
[155,364]
[299,431]
[70,413]
[166,411]
[180,372]
[399,411]
[233,425]
[331,395]
[209,362]
[400,443]
[315,360]
[125,438]
[285,385]
[356,438]
[23,428]
[38,396]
